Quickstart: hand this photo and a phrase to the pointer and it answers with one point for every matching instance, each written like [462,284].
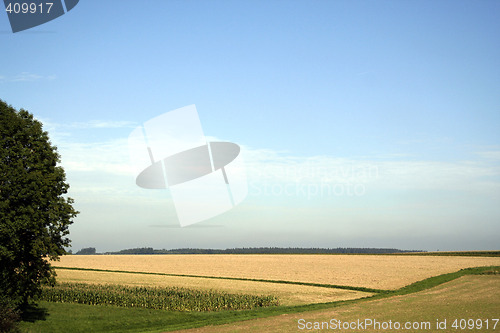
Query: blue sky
[397,99]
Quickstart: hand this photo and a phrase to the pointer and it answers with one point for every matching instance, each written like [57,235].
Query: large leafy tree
[34,213]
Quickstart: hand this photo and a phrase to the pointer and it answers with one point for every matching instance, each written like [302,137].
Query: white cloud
[491,155]
[58,128]
[103,124]
[101,173]
[27,77]
[111,158]
[381,175]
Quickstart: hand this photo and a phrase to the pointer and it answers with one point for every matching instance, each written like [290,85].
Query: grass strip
[369,290]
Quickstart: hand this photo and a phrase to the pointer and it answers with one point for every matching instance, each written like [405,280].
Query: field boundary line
[310,284]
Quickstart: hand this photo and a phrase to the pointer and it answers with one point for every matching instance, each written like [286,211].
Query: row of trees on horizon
[252,250]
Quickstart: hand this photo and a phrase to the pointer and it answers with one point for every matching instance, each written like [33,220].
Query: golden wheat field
[288,294]
[370,271]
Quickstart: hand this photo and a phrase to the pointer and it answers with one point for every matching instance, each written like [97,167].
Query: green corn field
[173,298]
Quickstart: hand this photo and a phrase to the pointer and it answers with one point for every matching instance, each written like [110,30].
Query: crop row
[172,298]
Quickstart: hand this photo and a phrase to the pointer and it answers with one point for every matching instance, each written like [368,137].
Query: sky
[361,123]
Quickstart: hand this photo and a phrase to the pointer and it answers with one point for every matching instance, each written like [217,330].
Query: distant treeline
[295,250]
[462,253]
[264,250]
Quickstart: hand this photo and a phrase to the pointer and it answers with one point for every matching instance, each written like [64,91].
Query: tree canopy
[87,250]
[34,213]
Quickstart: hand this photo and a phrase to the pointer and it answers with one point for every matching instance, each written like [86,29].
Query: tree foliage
[87,250]
[34,213]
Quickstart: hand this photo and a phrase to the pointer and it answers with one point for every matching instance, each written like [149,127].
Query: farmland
[445,302]
[308,287]
[370,271]
[288,294]
[171,298]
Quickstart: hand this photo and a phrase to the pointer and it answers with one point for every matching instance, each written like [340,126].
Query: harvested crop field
[288,294]
[369,271]
[467,297]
